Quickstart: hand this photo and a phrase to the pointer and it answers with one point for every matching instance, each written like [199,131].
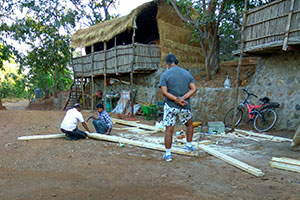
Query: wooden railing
[118,60]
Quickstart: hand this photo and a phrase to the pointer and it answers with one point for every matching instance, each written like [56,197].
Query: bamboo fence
[274,25]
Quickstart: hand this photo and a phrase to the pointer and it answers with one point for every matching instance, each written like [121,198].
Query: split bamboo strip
[143,126]
[285,166]
[252,170]
[37,137]
[142,144]
[290,161]
[273,138]
[146,132]
[126,128]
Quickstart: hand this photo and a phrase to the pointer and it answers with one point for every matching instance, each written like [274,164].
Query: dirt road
[93,169]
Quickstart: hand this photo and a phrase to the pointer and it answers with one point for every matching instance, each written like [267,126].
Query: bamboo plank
[285,160]
[243,166]
[38,137]
[143,126]
[264,136]
[285,166]
[142,144]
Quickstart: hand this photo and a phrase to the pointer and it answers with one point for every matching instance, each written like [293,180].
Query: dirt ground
[94,169]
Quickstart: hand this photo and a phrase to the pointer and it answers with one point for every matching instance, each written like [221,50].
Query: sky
[124,7]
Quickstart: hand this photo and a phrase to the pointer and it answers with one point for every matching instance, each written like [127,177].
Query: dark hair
[99,105]
[170,59]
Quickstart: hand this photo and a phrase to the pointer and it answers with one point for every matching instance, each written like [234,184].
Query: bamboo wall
[268,26]
[118,60]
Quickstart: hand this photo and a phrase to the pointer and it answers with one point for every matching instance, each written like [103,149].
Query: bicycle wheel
[229,117]
[265,120]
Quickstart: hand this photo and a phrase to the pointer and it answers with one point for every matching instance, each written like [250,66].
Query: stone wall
[276,76]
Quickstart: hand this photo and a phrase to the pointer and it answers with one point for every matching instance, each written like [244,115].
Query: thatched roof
[107,30]
[174,36]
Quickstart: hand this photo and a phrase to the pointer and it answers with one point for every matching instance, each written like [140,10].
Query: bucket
[108,106]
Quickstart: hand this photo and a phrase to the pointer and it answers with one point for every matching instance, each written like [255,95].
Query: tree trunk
[1,106]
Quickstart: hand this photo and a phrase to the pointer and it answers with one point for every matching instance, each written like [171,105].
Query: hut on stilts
[127,53]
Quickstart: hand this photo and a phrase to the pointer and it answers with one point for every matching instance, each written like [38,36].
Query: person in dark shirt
[102,123]
[177,86]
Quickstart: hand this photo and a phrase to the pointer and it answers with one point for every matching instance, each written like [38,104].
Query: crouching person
[69,124]
[103,123]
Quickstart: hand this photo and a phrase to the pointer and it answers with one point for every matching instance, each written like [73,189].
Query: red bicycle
[263,116]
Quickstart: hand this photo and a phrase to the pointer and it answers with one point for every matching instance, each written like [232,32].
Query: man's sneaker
[168,158]
[189,149]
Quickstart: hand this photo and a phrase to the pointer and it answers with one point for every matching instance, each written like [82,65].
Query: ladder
[74,94]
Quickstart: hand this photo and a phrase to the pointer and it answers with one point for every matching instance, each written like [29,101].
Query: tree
[204,17]
[212,20]
[46,28]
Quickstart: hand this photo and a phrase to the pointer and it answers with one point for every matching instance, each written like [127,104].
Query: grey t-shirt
[177,80]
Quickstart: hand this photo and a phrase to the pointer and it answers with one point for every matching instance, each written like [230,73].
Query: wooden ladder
[74,94]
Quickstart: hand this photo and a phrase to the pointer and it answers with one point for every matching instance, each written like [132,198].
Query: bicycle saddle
[265,100]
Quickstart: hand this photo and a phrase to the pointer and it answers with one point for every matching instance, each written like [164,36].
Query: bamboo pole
[116,56]
[131,71]
[82,89]
[135,124]
[104,73]
[142,144]
[92,78]
[240,63]
[288,26]
[38,137]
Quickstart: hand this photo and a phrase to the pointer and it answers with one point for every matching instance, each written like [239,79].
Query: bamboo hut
[132,46]
[272,27]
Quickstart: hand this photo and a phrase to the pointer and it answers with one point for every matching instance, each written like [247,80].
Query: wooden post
[131,71]
[104,73]
[239,63]
[288,26]
[92,79]
[116,56]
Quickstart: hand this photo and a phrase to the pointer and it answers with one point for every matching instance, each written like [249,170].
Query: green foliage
[44,28]
[12,83]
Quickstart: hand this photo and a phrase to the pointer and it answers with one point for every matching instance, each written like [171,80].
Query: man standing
[177,86]
[103,123]
[69,124]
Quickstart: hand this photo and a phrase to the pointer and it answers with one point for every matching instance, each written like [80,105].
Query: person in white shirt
[69,124]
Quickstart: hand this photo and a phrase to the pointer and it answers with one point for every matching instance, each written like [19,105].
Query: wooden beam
[142,144]
[285,166]
[131,123]
[37,137]
[290,161]
[243,166]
